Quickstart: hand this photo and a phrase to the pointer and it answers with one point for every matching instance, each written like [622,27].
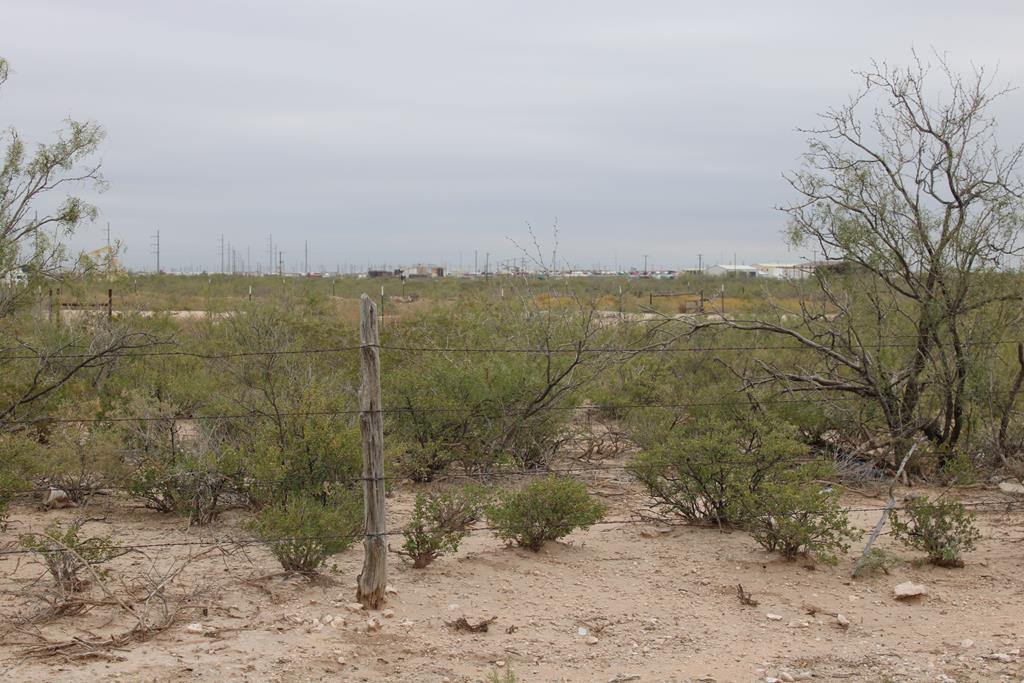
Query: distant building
[728,270]
[784,271]
[422,271]
[16,278]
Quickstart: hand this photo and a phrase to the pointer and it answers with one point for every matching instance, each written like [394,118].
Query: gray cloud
[409,131]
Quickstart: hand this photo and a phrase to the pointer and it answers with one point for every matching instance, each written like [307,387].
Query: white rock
[328,618]
[354,607]
[388,613]
[592,640]
[390,590]
[842,620]
[773,617]
[195,628]
[373,624]
[1011,487]
[966,643]
[908,589]
[786,676]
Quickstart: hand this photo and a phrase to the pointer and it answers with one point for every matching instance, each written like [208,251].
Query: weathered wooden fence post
[373,579]
[110,304]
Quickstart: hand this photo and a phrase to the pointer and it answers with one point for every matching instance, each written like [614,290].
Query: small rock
[1000,657]
[966,643]
[842,620]
[908,590]
[195,628]
[390,590]
[341,660]
[1012,487]
[773,617]
[786,676]
[354,607]
[388,613]
[373,624]
[328,618]
[407,624]
[592,640]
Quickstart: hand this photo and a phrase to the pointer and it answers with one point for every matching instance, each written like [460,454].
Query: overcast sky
[403,132]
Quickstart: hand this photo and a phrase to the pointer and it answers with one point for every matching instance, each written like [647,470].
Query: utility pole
[645,264]
[222,252]
[280,263]
[306,265]
[270,253]
[476,262]
[156,247]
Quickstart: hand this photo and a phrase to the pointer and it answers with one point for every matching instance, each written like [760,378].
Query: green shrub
[66,554]
[440,521]
[878,560]
[544,510]
[942,529]
[706,472]
[794,516]
[315,456]
[187,481]
[504,676]
[303,532]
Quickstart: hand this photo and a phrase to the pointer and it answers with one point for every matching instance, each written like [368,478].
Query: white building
[784,271]
[731,271]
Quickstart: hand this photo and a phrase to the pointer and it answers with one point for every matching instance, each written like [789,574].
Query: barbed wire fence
[638,517]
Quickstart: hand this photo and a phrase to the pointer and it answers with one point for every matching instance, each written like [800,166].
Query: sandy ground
[613,603]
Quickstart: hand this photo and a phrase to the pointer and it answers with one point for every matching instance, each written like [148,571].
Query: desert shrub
[482,411]
[186,480]
[957,469]
[303,532]
[313,456]
[507,675]
[706,472]
[11,482]
[942,529]
[440,520]
[544,510]
[66,554]
[878,560]
[793,516]
[473,412]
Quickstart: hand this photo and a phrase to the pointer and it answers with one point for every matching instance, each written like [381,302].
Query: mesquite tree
[37,215]
[916,210]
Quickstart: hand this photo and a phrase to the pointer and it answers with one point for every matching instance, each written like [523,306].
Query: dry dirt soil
[618,602]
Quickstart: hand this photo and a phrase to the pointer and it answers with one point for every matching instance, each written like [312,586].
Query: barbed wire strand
[233,543]
[651,349]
